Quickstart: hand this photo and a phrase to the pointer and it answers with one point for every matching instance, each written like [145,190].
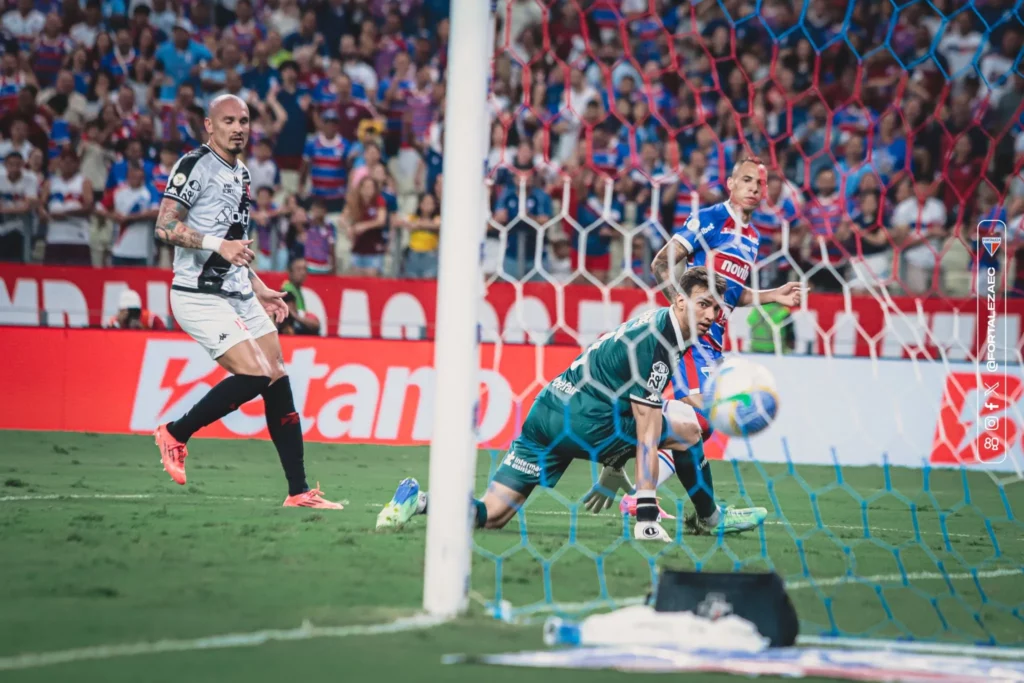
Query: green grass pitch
[101,548]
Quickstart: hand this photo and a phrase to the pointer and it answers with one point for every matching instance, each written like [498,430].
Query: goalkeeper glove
[650,531]
[602,496]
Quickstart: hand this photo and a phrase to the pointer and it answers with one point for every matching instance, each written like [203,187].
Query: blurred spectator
[321,236]
[962,173]
[351,111]
[24,24]
[261,75]
[269,231]
[132,208]
[119,61]
[852,167]
[295,238]
[68,201]
[919,227]
[365,218]
[356,67]
[423,226]
[181,56]
[268,118]
[132,156]
[889,155]
[780,233]
[362,165]
[639,261]
[245,31]
[523,233]
[298,321]
[596,212]
[85,32]
[49,51]
[960,44]
[76,108]
[162,17]
[871,267]
[826,216]
[19,195]
[326,161]
[162,170]
[286,17]
[263,169]
[132,316]
[17,141]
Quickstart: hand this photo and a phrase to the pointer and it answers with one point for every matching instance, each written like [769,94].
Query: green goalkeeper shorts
[551,439]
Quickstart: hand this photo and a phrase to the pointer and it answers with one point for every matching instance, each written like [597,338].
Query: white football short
[217,322]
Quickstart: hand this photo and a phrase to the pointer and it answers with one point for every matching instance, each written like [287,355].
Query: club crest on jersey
[730,267]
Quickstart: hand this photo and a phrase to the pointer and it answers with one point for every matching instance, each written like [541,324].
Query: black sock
[226,397]
[479,514]
[646,506]
[694,472]
[286,432]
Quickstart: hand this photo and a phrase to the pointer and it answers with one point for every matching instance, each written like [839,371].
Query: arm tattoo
[171,229]
[660,269]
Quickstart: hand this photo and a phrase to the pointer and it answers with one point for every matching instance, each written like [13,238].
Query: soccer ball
[740,397]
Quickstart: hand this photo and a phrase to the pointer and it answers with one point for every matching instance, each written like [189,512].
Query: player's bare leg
[250,376]
[285,428]
[496,509]
[684,457]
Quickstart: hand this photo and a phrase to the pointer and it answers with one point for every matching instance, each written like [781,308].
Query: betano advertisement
[845,411]
[539,313]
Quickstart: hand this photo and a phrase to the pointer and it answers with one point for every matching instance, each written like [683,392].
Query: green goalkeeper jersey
[629,365]
[586,412]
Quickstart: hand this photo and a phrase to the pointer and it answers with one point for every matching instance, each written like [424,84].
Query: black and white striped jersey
[217,196]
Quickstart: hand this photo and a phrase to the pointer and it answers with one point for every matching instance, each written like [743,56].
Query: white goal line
[549,513]
[307,631]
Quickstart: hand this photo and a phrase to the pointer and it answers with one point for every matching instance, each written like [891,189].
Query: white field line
[126,496]
[545,513]
[911,576]
[307,631]
[75,496]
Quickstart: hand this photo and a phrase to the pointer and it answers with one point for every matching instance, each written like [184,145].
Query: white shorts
[217,322]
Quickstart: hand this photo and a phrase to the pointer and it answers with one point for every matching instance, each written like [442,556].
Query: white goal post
[459,289]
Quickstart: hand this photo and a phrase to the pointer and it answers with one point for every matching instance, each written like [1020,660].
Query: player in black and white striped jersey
[221,302]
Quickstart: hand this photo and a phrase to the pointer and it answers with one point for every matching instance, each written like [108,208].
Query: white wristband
[211,243]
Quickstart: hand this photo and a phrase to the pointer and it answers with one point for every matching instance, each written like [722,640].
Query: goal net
[895,193]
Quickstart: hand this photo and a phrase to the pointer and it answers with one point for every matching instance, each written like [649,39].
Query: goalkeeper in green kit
[606,407]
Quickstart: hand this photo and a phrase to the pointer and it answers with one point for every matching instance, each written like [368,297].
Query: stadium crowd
[889,134]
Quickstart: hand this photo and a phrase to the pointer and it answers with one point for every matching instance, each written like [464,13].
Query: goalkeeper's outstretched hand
[602,496]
